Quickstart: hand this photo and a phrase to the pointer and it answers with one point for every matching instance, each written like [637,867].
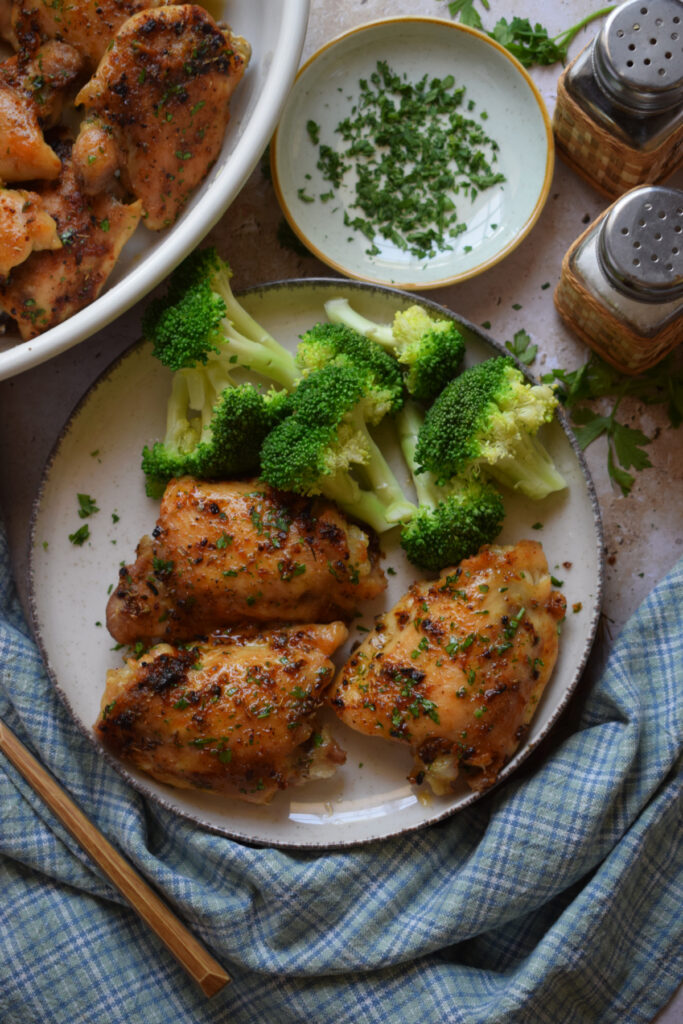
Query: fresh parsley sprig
[530,44]
[662,384]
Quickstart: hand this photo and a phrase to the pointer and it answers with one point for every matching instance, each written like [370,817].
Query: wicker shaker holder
[618,120]
[607,293]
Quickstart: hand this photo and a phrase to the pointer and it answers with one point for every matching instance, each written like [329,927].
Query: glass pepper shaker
[619,114]
[621,285]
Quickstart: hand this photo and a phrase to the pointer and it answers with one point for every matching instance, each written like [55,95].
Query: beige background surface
[643,532]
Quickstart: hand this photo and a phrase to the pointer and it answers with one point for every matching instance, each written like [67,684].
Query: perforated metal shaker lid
[640,245]
[638,55]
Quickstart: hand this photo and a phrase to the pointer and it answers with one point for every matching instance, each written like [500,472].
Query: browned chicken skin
[228,552]
[25,227]
[236,716]
[24,153]
[162,94]
[50,286]
[46,78]
[457,667]
[84,24]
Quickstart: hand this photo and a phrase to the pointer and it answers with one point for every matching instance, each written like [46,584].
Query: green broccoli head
[432,351]
[486,420]
[453,520]
[456,526]
[184,326]
[199,320]
[342,345]
[315,447]
[227,446]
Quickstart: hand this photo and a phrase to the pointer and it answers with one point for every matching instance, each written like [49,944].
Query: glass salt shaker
[621,286]
[619,114]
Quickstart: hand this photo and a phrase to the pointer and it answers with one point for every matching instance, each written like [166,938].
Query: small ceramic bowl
[499,95]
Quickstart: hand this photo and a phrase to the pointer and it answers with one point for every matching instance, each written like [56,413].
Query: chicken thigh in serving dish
[46,79]
[49,286]
[160,98]
[25,227]
[236,716]
[456,669]
[84,25]
[226,552]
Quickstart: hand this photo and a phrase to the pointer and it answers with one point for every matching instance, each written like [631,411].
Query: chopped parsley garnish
[80,536]
[87,506]
[412,151]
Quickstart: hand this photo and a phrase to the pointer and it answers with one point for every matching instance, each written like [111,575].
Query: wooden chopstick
[196,960]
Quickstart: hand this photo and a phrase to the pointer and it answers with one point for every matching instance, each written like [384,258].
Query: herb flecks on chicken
[162,93]
[237,716]
[46,78]
[456,669]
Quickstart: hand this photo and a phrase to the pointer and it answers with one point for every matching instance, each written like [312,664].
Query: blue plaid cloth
[555,899]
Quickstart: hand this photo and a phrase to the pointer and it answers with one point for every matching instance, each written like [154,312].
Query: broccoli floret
[430,351]
[486,420]
[453,520]
[336,343]
[199,322]
[220,441]
[325,436]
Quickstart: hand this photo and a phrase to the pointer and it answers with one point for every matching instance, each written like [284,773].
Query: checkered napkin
[556,899]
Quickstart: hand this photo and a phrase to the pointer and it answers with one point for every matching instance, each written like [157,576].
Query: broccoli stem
[181,435]
[339,311]
[410,420]
[278,366]
[530,471]
[357,502]
[381,478]
[237,314]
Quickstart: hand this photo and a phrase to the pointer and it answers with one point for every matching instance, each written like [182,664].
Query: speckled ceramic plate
[276,33]
[98,453]
[505,102]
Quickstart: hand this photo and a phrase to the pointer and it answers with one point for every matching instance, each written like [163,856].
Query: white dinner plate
[98,453]
[325,92]
[276,32]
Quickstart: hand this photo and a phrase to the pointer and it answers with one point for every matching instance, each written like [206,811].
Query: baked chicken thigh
[160,97]
[236,715]
[24,153]
[84,25]
[46,79]
[49,286]
[241,551]
[457,667]
[25,227]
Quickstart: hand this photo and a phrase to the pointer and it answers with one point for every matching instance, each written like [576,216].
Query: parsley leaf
[522,348]
[661,385]
[87,506]
[80,536]
[464,10]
